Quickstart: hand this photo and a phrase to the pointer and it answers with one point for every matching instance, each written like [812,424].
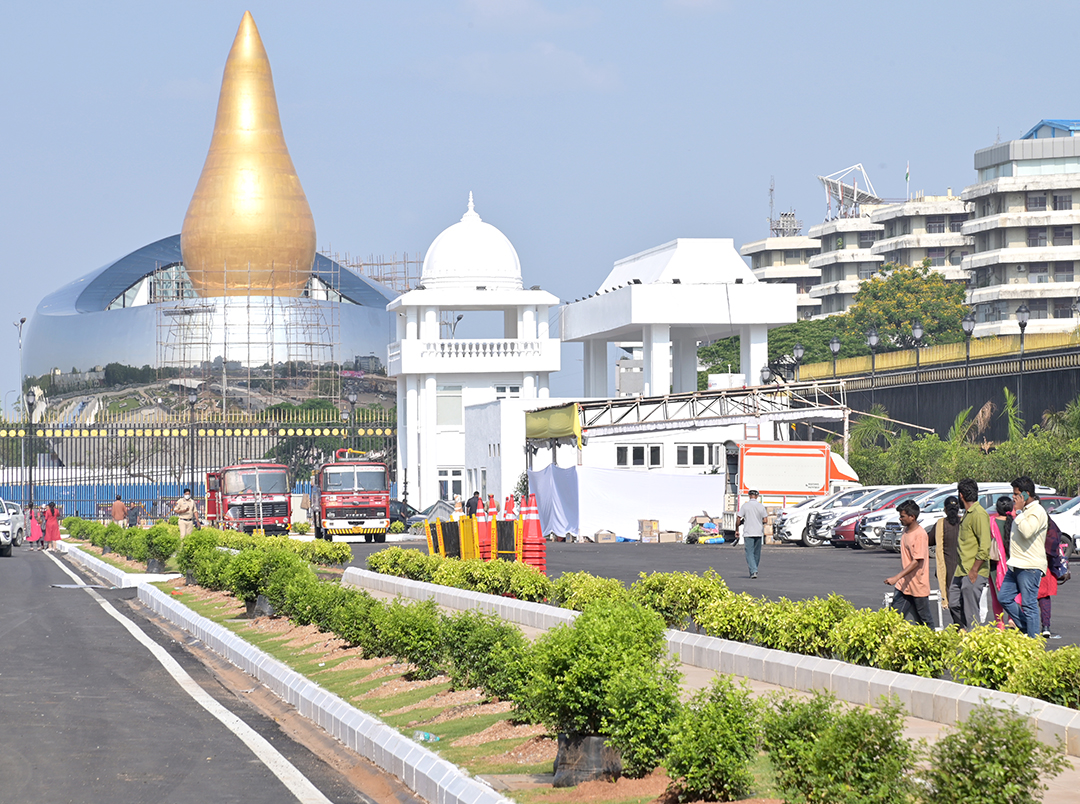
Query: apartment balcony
[846,255]
[1006,220]
[844,287]
[1021,255]
[920,240]
[473,356]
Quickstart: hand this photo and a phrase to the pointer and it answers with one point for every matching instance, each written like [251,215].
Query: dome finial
[470,214]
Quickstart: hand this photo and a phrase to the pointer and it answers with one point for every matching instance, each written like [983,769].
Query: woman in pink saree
[1000,530]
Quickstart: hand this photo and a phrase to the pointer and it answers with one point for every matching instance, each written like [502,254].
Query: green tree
[900,295]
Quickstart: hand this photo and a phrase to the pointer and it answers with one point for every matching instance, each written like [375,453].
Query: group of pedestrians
[44,524]
[1003,557]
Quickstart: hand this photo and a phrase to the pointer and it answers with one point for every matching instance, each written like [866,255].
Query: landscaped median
[607,674]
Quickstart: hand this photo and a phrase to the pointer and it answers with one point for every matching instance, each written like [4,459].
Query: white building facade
[471,267]
[846,259]
[1025,231]
[787,259]
[928,227]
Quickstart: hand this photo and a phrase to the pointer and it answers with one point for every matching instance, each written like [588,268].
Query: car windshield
[1067,506]
[256,480]
[354,478]
[850,498]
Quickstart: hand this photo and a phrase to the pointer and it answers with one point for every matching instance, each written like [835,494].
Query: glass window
[448,409]
[1063,308]
[638,454]
[1036,236]
[936,255]
[793,254]
[956,222]
[867,270]
[1036,202]
[699,455]
[622,456]
[655,453]
[890,229]
[450,483]
[682,456]
[1039,272]
[1063,201]
[867,239]
[1063,235]
[1063,271]
[935,224]
[257,480]
[905,226]
[1037,308]
[507,391]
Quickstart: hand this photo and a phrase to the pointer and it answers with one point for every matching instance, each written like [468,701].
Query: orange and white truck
[252,496]
[784,473]
[351,499]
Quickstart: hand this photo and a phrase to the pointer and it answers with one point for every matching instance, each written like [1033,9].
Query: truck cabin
[255,480]
[342,478]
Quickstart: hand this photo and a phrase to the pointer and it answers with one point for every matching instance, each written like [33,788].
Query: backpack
[1057,552]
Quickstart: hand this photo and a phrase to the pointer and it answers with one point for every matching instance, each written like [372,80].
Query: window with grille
[935,224]
[1039,272]
[1037,308]
[1063,308]
[1063,235]
[1063,201]
[1036,202]
[1036,237]
[936,255]
[956,222]
[1063,271]
[867,239]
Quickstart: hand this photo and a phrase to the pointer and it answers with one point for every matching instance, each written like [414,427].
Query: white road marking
[298,784]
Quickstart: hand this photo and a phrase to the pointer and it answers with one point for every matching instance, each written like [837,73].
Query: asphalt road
[90,715]
[790,571]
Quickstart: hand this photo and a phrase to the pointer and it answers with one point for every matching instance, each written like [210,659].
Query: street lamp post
[453,327]
[872,341]
[1023,315]
[31,399]
[192,398]
[798,351]
[352,416]
[917,333]
[766,375]
[968,323]
[834,347]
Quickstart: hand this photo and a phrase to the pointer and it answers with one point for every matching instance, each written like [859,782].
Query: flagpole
[907,179]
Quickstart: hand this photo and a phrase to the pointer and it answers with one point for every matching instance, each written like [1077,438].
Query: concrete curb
[424,772]
[117,577]
[927,698]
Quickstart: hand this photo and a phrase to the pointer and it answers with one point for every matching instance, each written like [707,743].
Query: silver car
[12,527]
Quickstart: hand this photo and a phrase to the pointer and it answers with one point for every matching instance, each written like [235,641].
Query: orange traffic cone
[508,509]
[533,548]
[483,532]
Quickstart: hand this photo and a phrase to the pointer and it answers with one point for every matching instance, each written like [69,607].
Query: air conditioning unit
[1021,269]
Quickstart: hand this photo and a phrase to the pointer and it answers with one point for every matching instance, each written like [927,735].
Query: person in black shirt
[472,504]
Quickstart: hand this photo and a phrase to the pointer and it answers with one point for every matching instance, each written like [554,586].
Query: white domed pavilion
[470,267]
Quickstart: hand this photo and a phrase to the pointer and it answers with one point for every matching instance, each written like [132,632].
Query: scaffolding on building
[400,274]
[250,350]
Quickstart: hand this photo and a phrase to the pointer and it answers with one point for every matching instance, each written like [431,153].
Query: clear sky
[587,131]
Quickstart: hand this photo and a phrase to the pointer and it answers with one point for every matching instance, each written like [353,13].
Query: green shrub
[396,527]
[301,527]
[918,650]
[95,532]
[174,520]
[641,707]
[736,617]
[212,570]
[325,599]
[576,590]
[279,579]
[713,743]
[196,546]
[299,595]
[678,596]
[528,583]
[485,652]
[823,754]
[414,634]
[573,665]
[1053,676]
[245,574]
[992,758]
[162,541]
[360,620]
[986,656]
[859,637]
[807,625]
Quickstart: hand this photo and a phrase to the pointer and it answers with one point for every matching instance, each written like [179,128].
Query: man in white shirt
[1027,558]
[752,514]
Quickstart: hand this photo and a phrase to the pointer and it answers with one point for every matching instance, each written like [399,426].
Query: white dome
[471,254]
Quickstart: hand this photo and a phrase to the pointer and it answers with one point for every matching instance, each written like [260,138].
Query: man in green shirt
[972,566]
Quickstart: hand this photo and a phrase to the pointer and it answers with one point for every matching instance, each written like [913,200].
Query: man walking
[472,504]
[119,512]
[912,583]
[1027,558]
[752,514]
[973,553]
[185,512]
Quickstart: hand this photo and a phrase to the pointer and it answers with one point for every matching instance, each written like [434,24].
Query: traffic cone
[508,509]
[483,532]
[533,547]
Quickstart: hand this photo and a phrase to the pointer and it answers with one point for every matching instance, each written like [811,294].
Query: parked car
[795,524]
[824,523]
[12,527]
[850,530]
[1067,518]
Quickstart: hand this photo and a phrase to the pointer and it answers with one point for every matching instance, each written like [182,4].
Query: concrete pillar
[684,365]
[412,331]
[403,432]
[512,323]
[527,331]
[429,324]
[753,352]
[428,472]
[657,359]
[542,313]
[543,390]
[528,386]
[411,436]
[596,369]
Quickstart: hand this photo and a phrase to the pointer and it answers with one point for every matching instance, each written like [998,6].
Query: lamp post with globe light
[192,398]
[798,351]
[834,347]
[872,341]
[352,418]
[766,375]
[917,333]
[31,400]
[1023,315]
[968,323]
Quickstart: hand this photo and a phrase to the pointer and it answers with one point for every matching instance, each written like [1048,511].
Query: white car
[1067,518]
[12,527]
[823,523]
[793,524]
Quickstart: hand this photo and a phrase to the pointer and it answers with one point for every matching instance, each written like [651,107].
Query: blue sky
[587,131]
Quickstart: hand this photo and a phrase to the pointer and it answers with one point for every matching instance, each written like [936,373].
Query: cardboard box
[669,536]
[604,537]
[650,539]
[648,527]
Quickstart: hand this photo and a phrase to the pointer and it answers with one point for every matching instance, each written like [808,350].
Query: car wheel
[811,540]
[19,538]
[865,544]
[5,552]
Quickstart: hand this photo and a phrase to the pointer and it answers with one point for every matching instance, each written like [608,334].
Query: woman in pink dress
[52,526]
[35,529]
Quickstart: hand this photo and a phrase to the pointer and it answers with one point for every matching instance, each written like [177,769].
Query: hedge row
[608,673]
[832,628]
[138,544]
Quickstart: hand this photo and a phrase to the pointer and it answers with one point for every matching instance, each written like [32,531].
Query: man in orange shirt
[912,597]
[119,512]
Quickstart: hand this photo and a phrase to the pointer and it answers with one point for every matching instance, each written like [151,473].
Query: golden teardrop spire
[248,228]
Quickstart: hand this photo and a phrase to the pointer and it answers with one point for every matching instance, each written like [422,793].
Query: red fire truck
[249,497]
[351,499]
